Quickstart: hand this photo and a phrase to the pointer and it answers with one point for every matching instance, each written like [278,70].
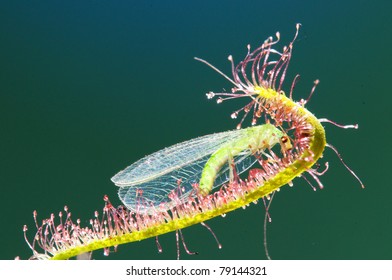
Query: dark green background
[88,88]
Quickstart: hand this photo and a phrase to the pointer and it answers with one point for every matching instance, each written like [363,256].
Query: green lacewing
[202,163]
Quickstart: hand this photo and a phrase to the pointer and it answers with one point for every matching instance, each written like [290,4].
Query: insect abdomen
[213,165]
[255,138]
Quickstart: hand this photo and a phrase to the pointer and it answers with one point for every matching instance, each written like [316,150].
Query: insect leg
[232,170]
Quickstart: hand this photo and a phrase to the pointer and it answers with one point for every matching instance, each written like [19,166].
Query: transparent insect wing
[155,193]
[241,162]
[172,158]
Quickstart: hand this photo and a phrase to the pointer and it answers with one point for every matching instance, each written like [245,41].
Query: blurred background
[88,88]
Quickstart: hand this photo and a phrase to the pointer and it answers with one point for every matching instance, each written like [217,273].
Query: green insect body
[255,139]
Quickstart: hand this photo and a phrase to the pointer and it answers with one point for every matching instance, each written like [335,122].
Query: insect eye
[286,143]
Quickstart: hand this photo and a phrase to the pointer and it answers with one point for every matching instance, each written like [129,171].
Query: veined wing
[155,193]
[242,162]
[173,158]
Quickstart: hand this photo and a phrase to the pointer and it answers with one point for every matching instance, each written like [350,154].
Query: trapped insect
[197,165]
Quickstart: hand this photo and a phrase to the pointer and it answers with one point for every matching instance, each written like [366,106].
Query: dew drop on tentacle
[210,95]
[354,126]
[106,251]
